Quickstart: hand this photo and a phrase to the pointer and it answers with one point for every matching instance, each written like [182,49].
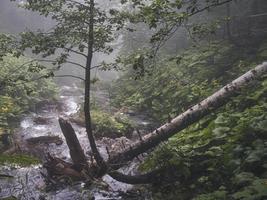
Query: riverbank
[40,134]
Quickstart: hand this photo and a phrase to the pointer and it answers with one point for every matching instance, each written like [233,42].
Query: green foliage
[70,35]
[255,191]
[18,159]
[165,16]
[7,45]
[217,195]
[21,89]
[161,21]
[177,83]
[105,124]
[222,156]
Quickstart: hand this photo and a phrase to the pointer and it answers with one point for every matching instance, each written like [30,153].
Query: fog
[15,20]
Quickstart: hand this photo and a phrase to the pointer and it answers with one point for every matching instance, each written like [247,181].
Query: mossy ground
[18,159]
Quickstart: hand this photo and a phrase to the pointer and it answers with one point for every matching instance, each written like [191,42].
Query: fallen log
[45,139]
[187,118]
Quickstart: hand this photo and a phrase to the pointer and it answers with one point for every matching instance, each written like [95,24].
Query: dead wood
[76,151]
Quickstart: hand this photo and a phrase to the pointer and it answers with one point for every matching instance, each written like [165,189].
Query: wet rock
[45,140]
[9,198]
[6,176]
[42,197]
[41,120]
[77,120]
[46,105]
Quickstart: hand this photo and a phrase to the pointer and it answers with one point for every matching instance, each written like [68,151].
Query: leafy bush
[222,156]
[21,89]
[105,124]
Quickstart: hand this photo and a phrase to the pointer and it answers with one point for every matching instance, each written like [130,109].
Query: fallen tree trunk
[164,132]
[187,118]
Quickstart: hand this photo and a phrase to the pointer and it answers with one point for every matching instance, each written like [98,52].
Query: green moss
[18,159]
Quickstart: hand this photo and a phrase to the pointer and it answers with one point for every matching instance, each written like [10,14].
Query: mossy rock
[18,159]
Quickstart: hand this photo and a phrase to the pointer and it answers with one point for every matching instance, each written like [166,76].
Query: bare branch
[74,63]
[97,66]
[74,51]
[54,61]
[210,6]
[67,75]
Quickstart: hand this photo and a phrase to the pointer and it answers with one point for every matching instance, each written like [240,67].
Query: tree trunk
[76,153]
[187,118]
[88,121]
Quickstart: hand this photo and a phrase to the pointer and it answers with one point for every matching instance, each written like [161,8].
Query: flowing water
[28,183]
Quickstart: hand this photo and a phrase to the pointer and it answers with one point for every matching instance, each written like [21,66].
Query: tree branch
[74,63]
[174,27]
[67,75]
[54,61]
[74,51]
[209,6]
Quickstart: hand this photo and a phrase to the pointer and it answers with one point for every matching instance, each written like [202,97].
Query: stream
[28,183]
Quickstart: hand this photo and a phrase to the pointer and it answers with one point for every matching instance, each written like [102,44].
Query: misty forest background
[150,74]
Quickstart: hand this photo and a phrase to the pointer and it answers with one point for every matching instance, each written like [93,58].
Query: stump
[76,152]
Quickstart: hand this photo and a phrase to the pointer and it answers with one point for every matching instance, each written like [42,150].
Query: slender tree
[81,29]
